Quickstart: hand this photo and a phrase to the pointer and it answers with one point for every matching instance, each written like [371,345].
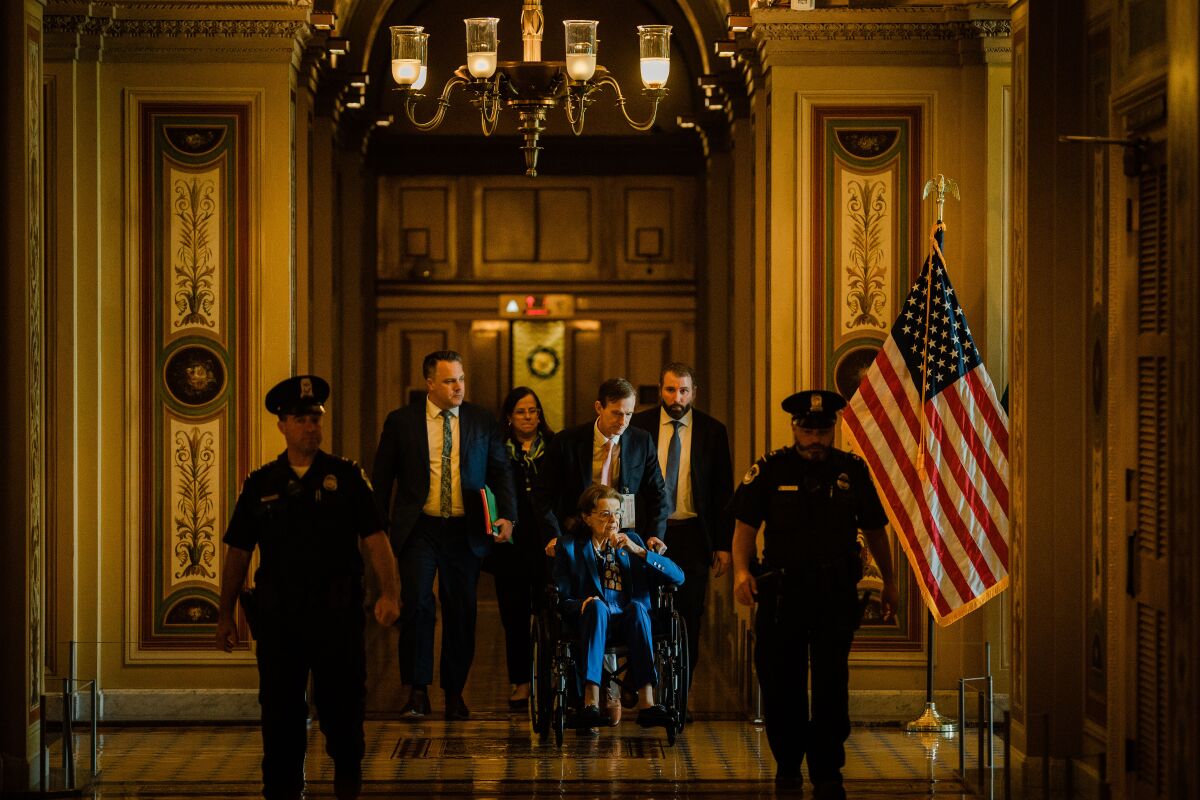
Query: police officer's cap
[815,409]
[300,394]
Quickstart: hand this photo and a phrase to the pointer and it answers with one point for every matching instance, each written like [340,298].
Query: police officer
[307,512]
[814,500]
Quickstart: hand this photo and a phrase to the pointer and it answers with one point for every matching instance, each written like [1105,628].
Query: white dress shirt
[433,425]
[685,508]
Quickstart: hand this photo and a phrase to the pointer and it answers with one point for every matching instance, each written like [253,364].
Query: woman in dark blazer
[519,568]
[604,576]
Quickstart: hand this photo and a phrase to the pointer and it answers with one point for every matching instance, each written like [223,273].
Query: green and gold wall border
[866,250]
[194,250]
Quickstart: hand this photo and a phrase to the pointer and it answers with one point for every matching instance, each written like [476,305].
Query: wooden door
[1148,487]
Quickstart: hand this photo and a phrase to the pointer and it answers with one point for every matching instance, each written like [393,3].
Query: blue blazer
[568,471]
[402,463]
[576,577]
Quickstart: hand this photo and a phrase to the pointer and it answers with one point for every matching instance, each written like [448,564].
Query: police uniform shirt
[813,509]
[306,527]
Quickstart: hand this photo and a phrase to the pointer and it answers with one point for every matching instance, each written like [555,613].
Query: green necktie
[447,447]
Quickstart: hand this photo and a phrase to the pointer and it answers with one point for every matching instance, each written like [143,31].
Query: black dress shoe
[829,790]
[456,709]
[417,706]
[590,717]
[347,782]
[788,782]
[656,716]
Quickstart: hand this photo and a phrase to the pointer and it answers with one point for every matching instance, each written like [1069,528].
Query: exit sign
[537,306]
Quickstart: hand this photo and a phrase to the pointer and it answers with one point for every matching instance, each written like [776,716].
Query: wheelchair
[554,686]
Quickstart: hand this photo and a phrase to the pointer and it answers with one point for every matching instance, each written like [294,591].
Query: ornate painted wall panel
[538,352]
[34,446]
[1018,378]
[866,248]
[193,200]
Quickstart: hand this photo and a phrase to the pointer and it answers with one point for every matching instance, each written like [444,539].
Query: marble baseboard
[204,705]
[881,705]
[178,705]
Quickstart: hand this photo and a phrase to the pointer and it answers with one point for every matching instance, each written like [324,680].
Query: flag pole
[930,720]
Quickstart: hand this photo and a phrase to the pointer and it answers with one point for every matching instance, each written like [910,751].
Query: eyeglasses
[607,515]
[525,412]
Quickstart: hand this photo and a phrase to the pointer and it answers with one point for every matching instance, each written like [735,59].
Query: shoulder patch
[751,474]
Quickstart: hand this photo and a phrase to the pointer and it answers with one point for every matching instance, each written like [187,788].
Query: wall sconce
[725,48]
[359,80]
[322,20]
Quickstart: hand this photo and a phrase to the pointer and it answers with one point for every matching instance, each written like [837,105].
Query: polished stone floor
[496,755]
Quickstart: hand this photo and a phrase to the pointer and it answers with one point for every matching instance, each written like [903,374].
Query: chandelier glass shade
[530,87]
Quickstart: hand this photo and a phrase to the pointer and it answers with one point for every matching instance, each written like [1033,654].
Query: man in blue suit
[604,575]
[606,451]
[437,456]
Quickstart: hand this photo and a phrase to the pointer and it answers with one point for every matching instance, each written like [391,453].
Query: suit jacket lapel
[583,449]
[420,434]
[464,430]
[589,556]
[697,448]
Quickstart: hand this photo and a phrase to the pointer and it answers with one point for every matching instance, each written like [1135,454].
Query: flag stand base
[931,721]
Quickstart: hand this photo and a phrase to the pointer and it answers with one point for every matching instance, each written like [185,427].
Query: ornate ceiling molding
[955,30]
[217,28]
[191,30]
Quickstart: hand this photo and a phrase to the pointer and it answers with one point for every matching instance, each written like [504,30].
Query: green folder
[490,526]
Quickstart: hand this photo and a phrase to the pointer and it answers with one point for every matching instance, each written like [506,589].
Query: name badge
[628,511]
[788,488]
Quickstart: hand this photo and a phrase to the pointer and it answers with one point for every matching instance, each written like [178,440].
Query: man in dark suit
[437,456]
[693,451]
[605,451]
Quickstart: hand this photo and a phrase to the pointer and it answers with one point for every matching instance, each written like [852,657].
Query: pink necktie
[606,468]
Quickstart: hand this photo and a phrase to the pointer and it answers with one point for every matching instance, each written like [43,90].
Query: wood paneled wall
[623,247]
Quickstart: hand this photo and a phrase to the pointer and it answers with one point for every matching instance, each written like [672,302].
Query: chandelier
[530,86]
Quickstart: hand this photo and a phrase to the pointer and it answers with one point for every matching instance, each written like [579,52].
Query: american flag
[948,500]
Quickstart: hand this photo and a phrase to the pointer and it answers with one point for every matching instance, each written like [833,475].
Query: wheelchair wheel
[685,676]
[560,721]
[541,696]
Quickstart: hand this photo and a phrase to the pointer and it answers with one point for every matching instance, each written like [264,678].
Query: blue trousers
[629,625]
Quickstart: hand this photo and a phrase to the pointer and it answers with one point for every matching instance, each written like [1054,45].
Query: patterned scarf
[530,456]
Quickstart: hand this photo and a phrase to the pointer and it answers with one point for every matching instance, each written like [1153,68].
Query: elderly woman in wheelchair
[604,577]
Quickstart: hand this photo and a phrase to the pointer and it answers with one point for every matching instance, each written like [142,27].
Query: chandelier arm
[655,94]
[488,121]
[576,122]
[443,104]
[489,108]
